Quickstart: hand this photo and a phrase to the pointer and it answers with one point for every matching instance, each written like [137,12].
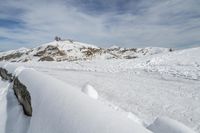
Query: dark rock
[25,60]
[50,51]
[171,50]
[23,96]
[5,75]
[40,53]
[130,57]
[91,51]
[20,90]
[11,56]
[46,58]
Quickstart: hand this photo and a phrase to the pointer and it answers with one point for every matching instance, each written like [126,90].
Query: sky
[125,23]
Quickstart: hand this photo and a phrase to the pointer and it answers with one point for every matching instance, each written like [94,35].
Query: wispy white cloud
[169,23]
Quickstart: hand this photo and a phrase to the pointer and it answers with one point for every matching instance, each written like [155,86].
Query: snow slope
[59,108]
[137,91]
[166,84]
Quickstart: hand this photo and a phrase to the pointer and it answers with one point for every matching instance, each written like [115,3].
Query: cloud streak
[170,23]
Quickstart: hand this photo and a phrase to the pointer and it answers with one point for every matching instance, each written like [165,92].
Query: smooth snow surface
[134,118]
[61,108]
[167,125]
[12,118]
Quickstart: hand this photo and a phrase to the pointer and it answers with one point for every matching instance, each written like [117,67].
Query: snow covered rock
[5,75]
[23,96]
[167,125]
[62,108]
[90,91]
[21,92]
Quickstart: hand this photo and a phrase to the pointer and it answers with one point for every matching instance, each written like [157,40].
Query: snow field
[60,107]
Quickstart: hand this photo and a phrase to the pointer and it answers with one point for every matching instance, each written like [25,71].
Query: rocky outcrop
[23,96]
[91,51]
[50,51]
[20,90]
[5,75]
[46,58]
[11,56]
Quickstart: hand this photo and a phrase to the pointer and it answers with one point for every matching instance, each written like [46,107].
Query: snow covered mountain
[68,86]
[71,51]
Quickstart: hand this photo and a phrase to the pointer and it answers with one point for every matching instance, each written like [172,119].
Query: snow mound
[59,108]
[167,125]
[90,91]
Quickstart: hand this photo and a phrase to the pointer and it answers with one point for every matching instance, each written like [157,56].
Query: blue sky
[126,23]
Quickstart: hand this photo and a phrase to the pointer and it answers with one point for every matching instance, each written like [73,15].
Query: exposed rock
[40,53]
[23,96]
[5,75]
[171,50]
[91,51]
[46,58]
[20,90]
[25,60]
[11,56]
[130,57]
[50,51]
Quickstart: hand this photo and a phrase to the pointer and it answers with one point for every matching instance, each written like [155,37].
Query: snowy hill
[77,87]
[71,51]
[60,107]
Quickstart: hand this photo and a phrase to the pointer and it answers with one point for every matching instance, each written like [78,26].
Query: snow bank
[12,118]
[134,118]
[10,67]
[167,125]
[61,108]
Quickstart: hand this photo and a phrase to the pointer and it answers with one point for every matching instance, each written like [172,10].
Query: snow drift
[167,125]
[60,108]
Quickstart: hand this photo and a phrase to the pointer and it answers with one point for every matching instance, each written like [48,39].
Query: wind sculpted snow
[134,91]
[60,107]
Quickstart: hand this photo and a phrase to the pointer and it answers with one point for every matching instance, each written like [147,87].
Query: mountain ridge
[69,50]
